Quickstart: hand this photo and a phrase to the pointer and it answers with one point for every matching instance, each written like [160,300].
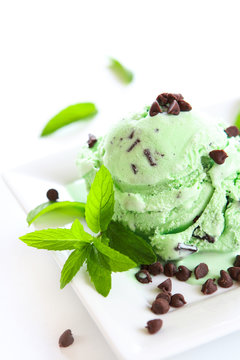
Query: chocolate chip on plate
[166,285]
[164,295]
[218,156]
[170,269]
[143,276]
[201,270]
[225,279]
[154,326]
[160,306]
[66,339]
[52,195]
[209,287]
[234,272]
[155,109]
[183,273]
[232,131]
[237,261]
[177,300]
[91,140]
[156,268]
[174,108]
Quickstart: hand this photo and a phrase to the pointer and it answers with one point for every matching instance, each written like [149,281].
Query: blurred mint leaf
[237,120]
[120,71]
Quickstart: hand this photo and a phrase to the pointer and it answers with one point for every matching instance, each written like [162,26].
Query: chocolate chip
[207,237]
[131,135]
[143,276]
[234,272]
[166,285]
[196,219]
[177,300]
[155,109]
[164,295]
[154,326]
[148,155]
[209,287]
[172,97]
[232,131]
[91,140]
[182,246]
[156,268]
[183,273]
[225,279]
[219,156]
[160,306]
[133,145]
[237,261]
[174,108]
[66,339]
[52,195]
[144,267]
[170,269]
[201,270]
[162,100]
[134,168]
[184,106]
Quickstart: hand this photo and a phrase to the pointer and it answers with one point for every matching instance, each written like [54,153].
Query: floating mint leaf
[130,244]
[237,120]
[68,207]
[100,201]
[120,71]
[69,115]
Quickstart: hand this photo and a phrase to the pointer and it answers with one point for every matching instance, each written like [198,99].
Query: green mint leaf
[53,239]
[99,271]
[237,120]
[117,261]
[130,244]
[100,201]
[68,207]
[120,71]
[69,115]
[78,231]
[73,264]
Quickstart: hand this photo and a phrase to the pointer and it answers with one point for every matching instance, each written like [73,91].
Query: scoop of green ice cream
[167,187]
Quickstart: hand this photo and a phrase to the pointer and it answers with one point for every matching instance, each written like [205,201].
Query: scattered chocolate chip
[162,100]
[234,272]
[131,135]
[232,131]
[237,261]
[170,269]
[201,270]
[155,109]
[184,106]
[156,268]
[182,246]
[156,130]
[66,339]
[219,156]
[91,140]
[148,155]
[143,276]
[164,295]
[166,285]
[209,287]
[196,219]
[183,273]
[177,300]
[225,279]
[160,306]
[154,326]
[121,139]
[134,169]
[52,195]
[133,145]
[174,108]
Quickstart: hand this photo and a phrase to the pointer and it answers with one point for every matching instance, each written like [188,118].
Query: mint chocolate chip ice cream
[176,176]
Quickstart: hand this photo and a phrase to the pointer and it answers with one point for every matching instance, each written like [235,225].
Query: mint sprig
[113,249]
[120,71]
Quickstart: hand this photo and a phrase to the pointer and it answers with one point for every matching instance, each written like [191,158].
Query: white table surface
[53,54]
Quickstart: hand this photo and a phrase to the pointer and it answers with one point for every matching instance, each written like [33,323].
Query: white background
[53,54]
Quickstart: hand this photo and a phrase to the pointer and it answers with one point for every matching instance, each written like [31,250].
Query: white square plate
[122,316]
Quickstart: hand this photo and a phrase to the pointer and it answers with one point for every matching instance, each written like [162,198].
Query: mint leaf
[78,231]
[120,71]
[73,264]
[237,120]
[68,207]
[116,260]
[100,201]
[130,244]
[53,239]
[69,115]
[99,271]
